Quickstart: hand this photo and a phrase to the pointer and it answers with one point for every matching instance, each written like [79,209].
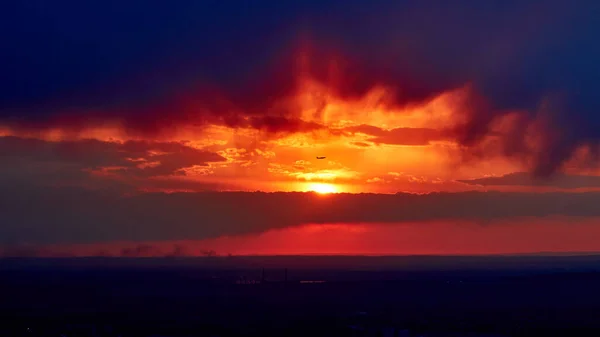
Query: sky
[155,128]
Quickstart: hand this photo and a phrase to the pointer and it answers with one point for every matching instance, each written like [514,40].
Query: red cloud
[263,102]
[399,136]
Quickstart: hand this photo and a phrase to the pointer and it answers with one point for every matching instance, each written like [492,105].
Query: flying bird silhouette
[321,157]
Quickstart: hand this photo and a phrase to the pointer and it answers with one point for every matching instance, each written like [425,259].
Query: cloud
[74,215]
[360,144]
[305,171]
[177,69]
[273,124]
[564,181]
[141,159]
[393,177]
[397,136]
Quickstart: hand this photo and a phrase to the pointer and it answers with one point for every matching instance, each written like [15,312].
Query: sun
[322,188]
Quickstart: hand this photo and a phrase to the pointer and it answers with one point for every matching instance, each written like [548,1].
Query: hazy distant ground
[528,262]
[516,294]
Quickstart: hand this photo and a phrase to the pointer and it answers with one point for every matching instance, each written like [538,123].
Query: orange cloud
[323,104]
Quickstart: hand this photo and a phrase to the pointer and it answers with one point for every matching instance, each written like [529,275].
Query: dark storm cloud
[72,215]
[136,158]
[153,66]
[120,167]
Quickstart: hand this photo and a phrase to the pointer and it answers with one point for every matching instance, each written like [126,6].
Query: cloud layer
[180,65]
[137,158]
[74,215]
[524,179]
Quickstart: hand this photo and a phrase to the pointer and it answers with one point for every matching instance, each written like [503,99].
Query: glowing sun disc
[322,188]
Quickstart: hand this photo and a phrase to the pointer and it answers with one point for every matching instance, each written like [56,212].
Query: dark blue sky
[121,55]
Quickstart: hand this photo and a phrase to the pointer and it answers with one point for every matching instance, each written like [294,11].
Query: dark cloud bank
[158,66]
[72,215]
[134,158]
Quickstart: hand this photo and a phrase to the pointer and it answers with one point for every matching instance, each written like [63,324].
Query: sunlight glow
[322,188]
[364,137]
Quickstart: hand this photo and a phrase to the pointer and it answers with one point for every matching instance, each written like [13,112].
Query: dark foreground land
[361,296]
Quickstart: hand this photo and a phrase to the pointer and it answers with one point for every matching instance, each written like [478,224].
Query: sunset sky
[174,128]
